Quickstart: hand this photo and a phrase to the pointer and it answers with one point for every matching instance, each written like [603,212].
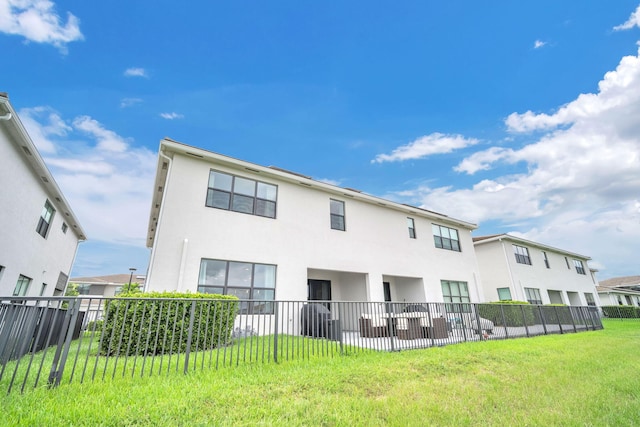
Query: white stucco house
[620,291]
[521,270]
[223,225]
[40,233]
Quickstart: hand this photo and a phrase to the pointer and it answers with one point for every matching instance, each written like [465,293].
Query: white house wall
[22,250]
[375,244]
[499,269]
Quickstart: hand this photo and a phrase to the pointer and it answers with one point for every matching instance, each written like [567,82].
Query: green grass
[589,378]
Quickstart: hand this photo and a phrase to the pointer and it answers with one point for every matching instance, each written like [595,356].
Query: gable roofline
[168,147]
[480,240]
[29,152]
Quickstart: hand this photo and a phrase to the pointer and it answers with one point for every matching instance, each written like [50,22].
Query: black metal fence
[48,341]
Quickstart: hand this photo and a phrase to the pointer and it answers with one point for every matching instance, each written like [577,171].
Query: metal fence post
[524,320]
[276,314]
[189,336]
[66,336]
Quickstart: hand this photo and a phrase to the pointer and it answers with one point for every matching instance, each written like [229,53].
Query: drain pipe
[6,117]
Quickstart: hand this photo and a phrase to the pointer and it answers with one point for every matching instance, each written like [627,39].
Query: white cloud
[107,140]
[129,102]
[42,124]
[37,21]
[538,44]
[329,181]
[107,181]
[135,72]
[425,146]
[580,189]
[633,21]
[171,116]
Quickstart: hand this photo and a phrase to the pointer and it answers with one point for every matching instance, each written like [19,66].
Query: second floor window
[412,228]
[579,266]
[546,260]
[238,194]
[45,219]
[522,254]
[337,215]
[445,237]
[22,286]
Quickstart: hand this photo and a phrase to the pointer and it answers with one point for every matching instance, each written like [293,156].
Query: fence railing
[48,341]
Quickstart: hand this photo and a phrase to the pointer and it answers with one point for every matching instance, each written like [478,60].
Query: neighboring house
[620,291]
[105,286]
[40,234]
[223,225]
[517,269]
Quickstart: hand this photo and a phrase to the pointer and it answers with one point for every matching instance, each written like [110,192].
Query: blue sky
[520,116]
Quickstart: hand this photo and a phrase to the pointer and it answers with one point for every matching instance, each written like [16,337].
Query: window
[337,215]
[247,281]
[243,195]
[533,295]
[522,254]
[412,228]
[579,266]
[504,294]
[456,293]
[567,261]
[45,219]
[64,227]
[43,289]
[445,238]
[590,300]
[546,260]
[22,286]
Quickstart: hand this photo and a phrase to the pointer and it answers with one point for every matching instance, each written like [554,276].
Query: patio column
[375,290]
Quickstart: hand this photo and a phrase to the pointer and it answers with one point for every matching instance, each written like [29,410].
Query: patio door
[386,286]
[319,290]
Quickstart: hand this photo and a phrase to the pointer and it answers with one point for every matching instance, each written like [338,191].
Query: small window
[546,260]
[522,255]
[337,215]
[412,228]
[43,289]
[64,227]
[45,219]
[22,286]
[579,266]
[567,261]
[445,237]
[504,294]
[533,295]
[590,300]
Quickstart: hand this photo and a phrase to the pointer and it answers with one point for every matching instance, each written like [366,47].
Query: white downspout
[513,283]
[183,261]
[6,117]
[164,194]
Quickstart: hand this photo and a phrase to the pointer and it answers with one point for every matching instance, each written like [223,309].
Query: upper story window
[22,286]
[546,260]
[579,266]
[337,215]
[247,281]
[522,254]
[64,227]
[412,228]
[445,237]
[239,194]
[567,261]
[533,295]
[45,219]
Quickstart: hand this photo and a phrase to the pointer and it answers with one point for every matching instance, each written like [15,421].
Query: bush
[158,322]
[516,313]
[94,325]
[621,311]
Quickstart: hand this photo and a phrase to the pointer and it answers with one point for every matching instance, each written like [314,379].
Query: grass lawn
[589,378]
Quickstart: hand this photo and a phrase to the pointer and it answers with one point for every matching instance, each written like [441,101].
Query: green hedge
[158,322]
[516,313]
[621,311]
[557,314]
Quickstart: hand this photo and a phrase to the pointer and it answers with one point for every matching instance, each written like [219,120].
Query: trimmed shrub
[158,322]
[516,313]
[94,325]
[557,314]
[621,311]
